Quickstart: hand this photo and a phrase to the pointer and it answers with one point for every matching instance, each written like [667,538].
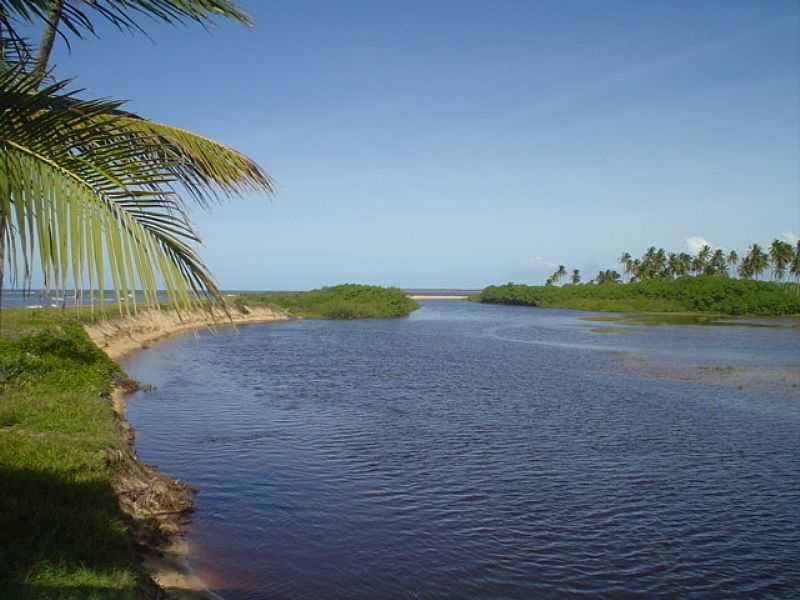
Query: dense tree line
[779,261]
[703,293]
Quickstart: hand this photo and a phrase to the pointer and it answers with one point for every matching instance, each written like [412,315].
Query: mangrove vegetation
[347,301]
[760,282]
[704,293]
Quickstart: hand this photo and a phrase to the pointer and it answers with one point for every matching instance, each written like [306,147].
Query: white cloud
[541,263]
[790,237]
[696,243]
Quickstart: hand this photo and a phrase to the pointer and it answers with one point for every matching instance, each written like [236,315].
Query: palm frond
[77,14]
[208,169]
[90,191]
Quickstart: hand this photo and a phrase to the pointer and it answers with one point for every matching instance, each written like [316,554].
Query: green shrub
[347,301]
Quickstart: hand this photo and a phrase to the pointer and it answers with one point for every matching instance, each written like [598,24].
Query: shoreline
[121,336]
[436,297]
[155,504]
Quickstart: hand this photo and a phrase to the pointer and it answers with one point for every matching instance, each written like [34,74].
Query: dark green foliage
[715,294]
[62,354]
[348,301]
[608,276]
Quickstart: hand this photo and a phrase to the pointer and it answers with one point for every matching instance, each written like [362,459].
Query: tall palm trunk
[46,40]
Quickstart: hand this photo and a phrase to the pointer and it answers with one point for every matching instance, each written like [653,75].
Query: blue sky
[457,144]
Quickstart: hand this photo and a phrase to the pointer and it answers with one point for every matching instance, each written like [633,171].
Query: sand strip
[434,297]
[119,336]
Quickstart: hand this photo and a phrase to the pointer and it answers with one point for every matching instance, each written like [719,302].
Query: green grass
[62,533]
[703,294]
[348,301]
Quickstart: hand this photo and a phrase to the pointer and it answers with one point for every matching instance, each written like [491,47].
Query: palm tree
[699,262]
[561,272]
[686,262]
[625,261]
[88,187]
[608,276]
[647,268]
[676,266]
[635,269]
[718,264]
[557,275]
[576,277]
[732,260]
[794,268]
[660,267]
[755,262]
[780,256]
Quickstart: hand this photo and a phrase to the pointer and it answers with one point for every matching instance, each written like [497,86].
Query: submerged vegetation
[704,293]
[676,318]
[348,301]
[63,533]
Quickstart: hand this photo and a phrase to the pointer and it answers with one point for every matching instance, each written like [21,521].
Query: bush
[62,355]
[348,301]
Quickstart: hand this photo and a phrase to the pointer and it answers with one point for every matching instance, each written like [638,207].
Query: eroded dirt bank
[123,335]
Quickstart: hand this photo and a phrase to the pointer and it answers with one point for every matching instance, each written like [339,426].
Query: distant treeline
[348,301]
[780,261]
[702,293]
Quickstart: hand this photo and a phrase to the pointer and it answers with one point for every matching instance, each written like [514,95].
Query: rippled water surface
[482,452]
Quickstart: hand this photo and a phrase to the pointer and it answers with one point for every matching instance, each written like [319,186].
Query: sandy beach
[436,297]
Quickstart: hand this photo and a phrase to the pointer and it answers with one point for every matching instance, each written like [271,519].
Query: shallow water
[482,452]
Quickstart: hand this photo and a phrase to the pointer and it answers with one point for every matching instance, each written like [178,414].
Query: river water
[482,452]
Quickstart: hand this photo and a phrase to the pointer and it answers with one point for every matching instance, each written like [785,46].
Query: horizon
[455,147]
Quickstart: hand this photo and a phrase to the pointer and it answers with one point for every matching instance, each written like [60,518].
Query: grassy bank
[348,301]
[711,294]
[63,533]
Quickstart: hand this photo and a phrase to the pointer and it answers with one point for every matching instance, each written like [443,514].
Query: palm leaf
[90,190]
[77,14]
